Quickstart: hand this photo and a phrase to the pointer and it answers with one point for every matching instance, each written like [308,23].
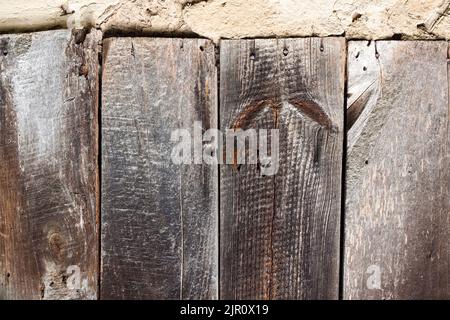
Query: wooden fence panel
[280,233]
[398,171]
[48,165]
[159,219]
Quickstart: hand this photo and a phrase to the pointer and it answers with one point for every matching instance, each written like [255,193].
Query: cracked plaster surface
[216,19]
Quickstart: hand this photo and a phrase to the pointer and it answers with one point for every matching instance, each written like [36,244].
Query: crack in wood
[358,106]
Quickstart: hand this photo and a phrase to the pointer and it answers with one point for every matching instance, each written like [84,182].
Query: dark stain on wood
[79,35]
[4,46]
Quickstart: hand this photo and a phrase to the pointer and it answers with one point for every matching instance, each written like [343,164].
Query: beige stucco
[215,19]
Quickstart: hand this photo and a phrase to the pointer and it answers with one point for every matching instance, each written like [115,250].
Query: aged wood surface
[280,233]
[398,173]
[159,219]
[48,166]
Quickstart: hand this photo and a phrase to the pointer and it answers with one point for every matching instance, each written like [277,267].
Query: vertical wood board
[159,219]
[398,171]
[48,165]
[280,233]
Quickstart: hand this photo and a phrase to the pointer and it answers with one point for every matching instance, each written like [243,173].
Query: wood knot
[84,71]
[57,245]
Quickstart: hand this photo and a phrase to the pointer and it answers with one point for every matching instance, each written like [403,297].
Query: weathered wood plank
[280,233]
[398,172]
[159,219]
[48,166]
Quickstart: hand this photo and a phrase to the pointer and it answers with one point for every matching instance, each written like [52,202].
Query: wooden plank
[48,165]
[398,172]
[280,233]
[159,219]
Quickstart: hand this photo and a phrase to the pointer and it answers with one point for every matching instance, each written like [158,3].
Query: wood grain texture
[398,173]
[280,234]
[48,166]
[159,219]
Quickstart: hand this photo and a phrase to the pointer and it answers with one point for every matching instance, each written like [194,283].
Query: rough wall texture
[215,19]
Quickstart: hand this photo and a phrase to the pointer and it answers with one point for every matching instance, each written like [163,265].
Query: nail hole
[202,48]
[364,68]
[252,56]
[321,48]
[285,51]
[366,162]
[8,275]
